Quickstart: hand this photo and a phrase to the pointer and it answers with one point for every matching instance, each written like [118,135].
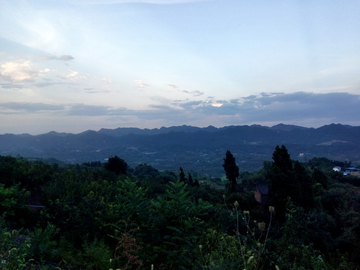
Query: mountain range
[193,148]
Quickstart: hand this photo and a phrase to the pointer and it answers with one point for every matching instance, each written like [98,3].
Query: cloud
[280,107]
[173,86]
[46,84]
[65,58]
[72,74]
[87,110]
[48,58]
[44,58]
[11,85]
[193,93]
[90,90]
[301,108]
[59,109]
[18,72]
[27,107]
[141,84]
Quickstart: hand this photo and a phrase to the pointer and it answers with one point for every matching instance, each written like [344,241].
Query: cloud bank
[266,108]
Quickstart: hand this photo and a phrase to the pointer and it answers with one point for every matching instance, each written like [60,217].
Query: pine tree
[306,184]
[190,181]
[231,170]
[182,176]
[283,183]
[196,183]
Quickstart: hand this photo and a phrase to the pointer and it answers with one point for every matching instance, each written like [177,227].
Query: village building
[352,171]
[261,194]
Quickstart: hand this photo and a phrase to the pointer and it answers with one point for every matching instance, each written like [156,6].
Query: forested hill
[191,147]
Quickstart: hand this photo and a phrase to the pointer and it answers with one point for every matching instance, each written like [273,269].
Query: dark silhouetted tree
[196,183]
[306,184]
[116,165]
[190,181]
[283,183]
[231,170]
[319,177]
[182,176]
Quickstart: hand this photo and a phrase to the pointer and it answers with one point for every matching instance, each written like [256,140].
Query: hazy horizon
[70,66]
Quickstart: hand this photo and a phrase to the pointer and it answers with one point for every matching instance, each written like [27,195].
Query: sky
[75,65]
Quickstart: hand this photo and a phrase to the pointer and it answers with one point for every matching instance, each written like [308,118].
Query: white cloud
[216,104]
[107,80]
[72,74]
[141,84]
[18,72]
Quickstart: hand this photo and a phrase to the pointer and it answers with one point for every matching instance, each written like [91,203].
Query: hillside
[193,148]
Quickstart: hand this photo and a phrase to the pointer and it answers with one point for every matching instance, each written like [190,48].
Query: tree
[319,177]
[196,183]
[116,165]
[182,176]
[282,159]
[283,183]
[190,180]
[231,170]
[306,184]
[177,225]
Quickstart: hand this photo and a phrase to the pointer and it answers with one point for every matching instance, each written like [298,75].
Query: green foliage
[90,215]
[292,250]
[219,251]
[12,205]
[319,177]
[43,244]
[144,170]
[14,249]
[93,254]
[177,223]
[243,249]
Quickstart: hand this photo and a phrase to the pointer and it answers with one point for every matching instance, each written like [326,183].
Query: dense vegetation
[111,216]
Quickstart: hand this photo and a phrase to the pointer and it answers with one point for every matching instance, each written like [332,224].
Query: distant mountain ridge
[195,148]
[118,132]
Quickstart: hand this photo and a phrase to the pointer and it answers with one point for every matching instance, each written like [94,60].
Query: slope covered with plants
[111,216]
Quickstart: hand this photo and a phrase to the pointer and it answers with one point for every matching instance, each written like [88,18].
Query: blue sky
[73,65]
